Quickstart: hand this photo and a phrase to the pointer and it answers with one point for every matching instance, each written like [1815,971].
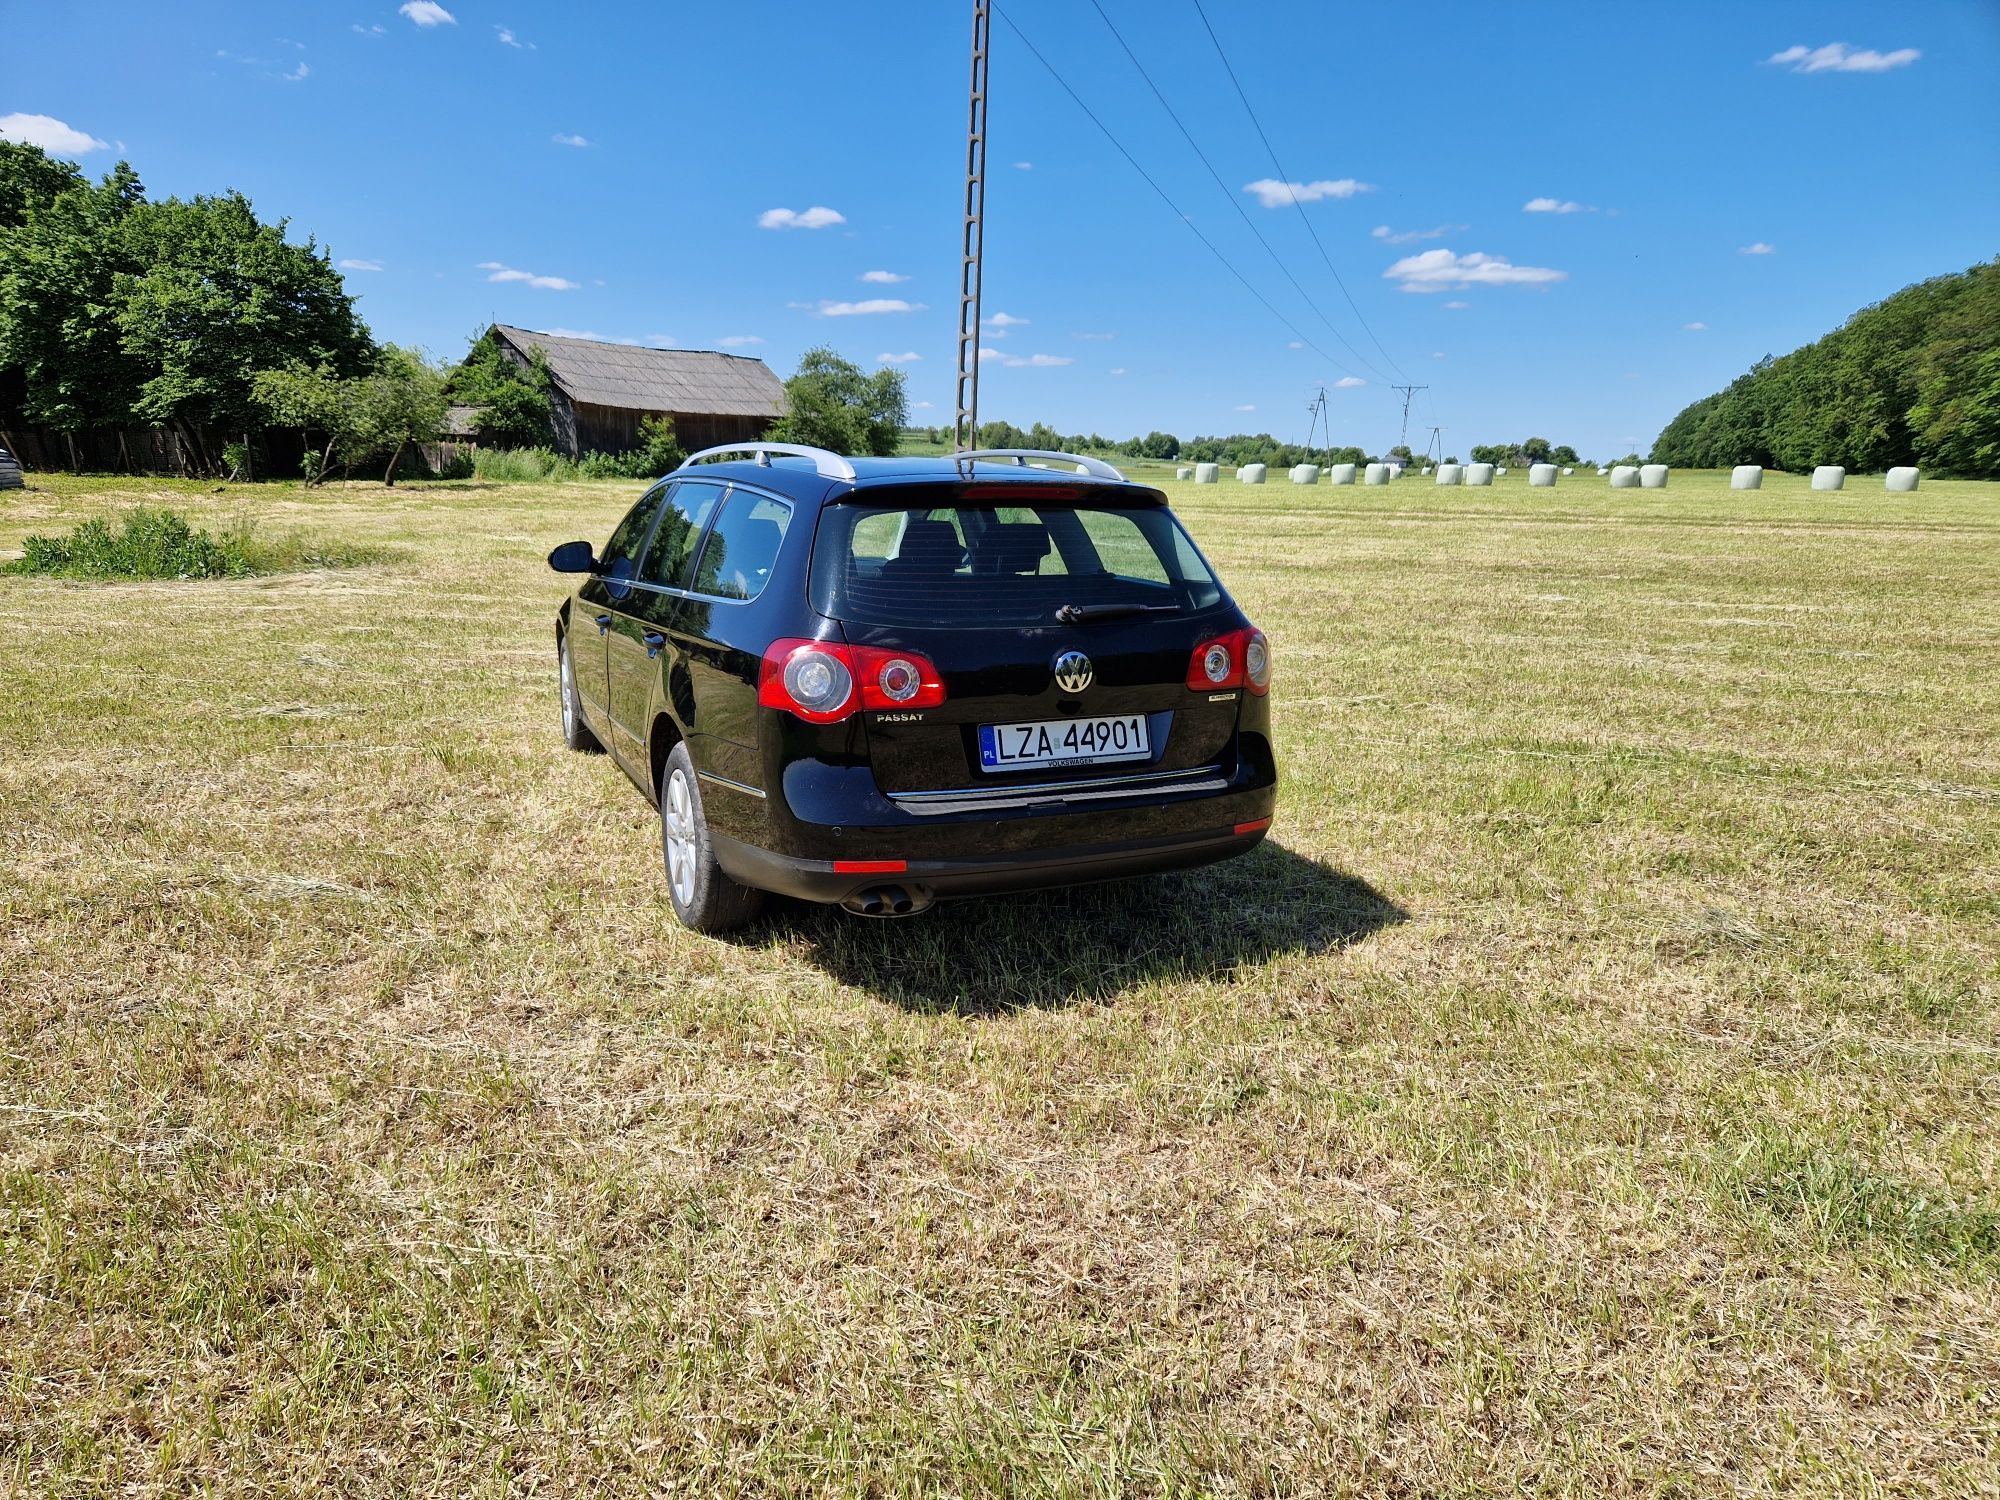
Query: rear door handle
[654,640]
[603,623]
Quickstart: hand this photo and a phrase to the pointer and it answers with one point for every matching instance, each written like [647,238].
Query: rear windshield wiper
[1077,614]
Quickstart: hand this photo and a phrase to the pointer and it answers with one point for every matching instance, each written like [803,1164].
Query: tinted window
[1001,565]
[742,546]
[621,553]
[668,559]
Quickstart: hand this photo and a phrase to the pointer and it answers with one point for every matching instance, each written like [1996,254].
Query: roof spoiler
[827,463]
[1096,468]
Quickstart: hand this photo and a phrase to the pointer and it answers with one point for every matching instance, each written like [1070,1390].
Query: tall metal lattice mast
[965,427]
[1408,391]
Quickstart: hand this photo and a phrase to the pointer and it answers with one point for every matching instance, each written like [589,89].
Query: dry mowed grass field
[1590,1090]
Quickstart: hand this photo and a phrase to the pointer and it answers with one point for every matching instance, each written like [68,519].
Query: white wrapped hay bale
[1208,473]
[1541,476]
[1340,474]
[1624,477]
[1450,473]
[1377,474]
[1501,471]
[1568,472]
[1829,477]
[1395,471]
[1479,473]
[1602,471]
[1747,477]
[1251,473]
[1902,481]
[1184,473]
[1305,473]
[1653,476]
[1427,468]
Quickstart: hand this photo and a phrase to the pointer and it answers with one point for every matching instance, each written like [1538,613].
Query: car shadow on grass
[994,954]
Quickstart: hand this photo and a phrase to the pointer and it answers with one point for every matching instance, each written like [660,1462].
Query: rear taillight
[824,682]
[1241,658]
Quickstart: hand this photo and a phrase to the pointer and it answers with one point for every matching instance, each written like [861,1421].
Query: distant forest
[1914,379]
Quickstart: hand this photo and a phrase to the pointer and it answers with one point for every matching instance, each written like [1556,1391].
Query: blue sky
[1717,181]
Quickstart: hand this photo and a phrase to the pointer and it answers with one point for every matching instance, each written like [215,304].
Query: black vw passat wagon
[879,682]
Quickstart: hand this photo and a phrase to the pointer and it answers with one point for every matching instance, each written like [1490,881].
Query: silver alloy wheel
[568,693]
[679,817]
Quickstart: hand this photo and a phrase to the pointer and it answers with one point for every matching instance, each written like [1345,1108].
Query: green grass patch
[145,543]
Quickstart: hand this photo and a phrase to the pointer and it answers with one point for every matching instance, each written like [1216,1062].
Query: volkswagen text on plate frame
[881,682]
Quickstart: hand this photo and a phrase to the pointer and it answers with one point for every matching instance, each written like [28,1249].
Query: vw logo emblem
[1073,673]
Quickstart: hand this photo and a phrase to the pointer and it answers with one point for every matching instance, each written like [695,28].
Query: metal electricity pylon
[965,426]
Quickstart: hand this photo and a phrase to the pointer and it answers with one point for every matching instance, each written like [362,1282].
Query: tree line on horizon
[1913,379]
[1242,448]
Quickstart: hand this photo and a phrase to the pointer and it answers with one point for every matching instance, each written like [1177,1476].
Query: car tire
[576,733]
[705,899]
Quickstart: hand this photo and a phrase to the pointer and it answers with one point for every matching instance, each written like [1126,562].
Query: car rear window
[1000,564]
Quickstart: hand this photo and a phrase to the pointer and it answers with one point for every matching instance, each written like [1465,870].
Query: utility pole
[1408,391]
[965,426]
[1434,449]
[1317,406]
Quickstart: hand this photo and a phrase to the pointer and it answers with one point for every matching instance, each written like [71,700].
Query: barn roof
[693,381]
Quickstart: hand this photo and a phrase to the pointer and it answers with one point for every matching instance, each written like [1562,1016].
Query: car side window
[620,559]
[669,561]
[742,546]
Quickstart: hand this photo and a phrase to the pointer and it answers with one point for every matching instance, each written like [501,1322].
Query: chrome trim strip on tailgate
[979,799]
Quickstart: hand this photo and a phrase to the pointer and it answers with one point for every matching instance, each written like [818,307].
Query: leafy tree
[217,296]
[513,398]
[1565,455]
[1399,454]
[400,402]
[314,401]
[834,404]
[59,268]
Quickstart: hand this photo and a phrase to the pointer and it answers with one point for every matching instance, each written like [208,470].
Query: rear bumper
[1035,869]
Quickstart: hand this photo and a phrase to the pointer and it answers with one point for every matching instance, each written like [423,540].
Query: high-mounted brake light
[824,682]
[1239,659]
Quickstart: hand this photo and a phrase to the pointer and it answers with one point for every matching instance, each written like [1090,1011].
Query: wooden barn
[603,391]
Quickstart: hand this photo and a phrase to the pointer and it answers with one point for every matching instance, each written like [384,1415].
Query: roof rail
[1097,468]
[828,464]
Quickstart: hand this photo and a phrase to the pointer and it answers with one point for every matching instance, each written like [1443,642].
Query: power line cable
[1284,177]
[1227,264]
[1232,198]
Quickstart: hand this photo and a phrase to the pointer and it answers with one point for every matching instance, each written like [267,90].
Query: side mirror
[573,557]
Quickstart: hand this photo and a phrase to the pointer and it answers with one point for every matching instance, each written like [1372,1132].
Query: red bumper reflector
[871,866]
[1257,827]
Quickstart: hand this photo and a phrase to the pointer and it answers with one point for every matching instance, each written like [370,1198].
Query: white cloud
[297,75]
[1025,361]
[359,30]
[882,278]
[360,265]
[505,36]
[508,273]
[1695,327]
[49,133]
[597,338]
[426,13]
[1442,270]
[1760,248]
[1095,338]
[1348,382]
[920,406]
[1246,407]
[1118,370]
[1554,206]
[1024,166]
[1296,344]
[1412,236]
[662,341]
[1275,194]
[870,305]
[738,341]
[1439,354]
[1006,320]
[1838,57]
[1456,305]
[898,359]
[816,217]
[564,138]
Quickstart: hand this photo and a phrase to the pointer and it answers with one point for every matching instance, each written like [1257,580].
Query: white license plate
[1063,742]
